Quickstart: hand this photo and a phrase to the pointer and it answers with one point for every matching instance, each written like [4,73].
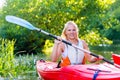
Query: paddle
[26,24]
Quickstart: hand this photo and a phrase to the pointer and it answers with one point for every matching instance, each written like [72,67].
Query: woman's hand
[100,57]
[58,41]
[95,59]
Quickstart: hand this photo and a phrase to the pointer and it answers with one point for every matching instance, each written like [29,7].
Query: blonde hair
[66,26]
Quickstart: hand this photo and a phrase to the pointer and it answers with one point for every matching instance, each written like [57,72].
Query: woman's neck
[73,41]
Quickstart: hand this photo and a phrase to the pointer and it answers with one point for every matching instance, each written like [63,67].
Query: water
[106,51]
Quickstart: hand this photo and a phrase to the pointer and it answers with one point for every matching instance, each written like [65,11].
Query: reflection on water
[113,48]
[106,50]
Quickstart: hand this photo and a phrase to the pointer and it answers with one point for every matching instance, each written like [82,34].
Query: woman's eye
[74,30]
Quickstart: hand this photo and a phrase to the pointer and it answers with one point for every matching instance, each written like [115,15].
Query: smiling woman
[2,2]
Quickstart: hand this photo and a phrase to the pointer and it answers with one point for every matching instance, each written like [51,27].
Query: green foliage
[7,67]
[94,39]
[114,22]
[47,49]
[26,41]
[51,15]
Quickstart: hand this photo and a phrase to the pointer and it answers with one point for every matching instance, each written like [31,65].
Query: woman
[69,54]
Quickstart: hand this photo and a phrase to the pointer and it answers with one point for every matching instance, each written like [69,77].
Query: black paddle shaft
[53,36]
[62,39]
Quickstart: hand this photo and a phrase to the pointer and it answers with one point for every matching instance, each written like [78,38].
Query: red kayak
[48,71]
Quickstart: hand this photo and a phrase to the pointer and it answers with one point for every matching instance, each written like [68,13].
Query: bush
[26,41]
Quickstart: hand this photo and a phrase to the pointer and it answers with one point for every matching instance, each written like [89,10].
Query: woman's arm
[88,56]
[54,51]
[57,50]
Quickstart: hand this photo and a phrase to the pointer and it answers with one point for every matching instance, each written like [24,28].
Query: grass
[12,66]
[26,66]
[7,67]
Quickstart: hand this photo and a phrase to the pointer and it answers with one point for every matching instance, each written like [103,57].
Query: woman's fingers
[100,57]
[59,40]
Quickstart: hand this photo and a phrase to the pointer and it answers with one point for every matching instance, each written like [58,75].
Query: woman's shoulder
[83,41]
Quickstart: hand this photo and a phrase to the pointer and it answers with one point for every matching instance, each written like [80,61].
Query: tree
[51,15]
[113,32]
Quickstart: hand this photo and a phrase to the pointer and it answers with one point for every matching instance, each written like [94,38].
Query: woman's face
[71,32]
